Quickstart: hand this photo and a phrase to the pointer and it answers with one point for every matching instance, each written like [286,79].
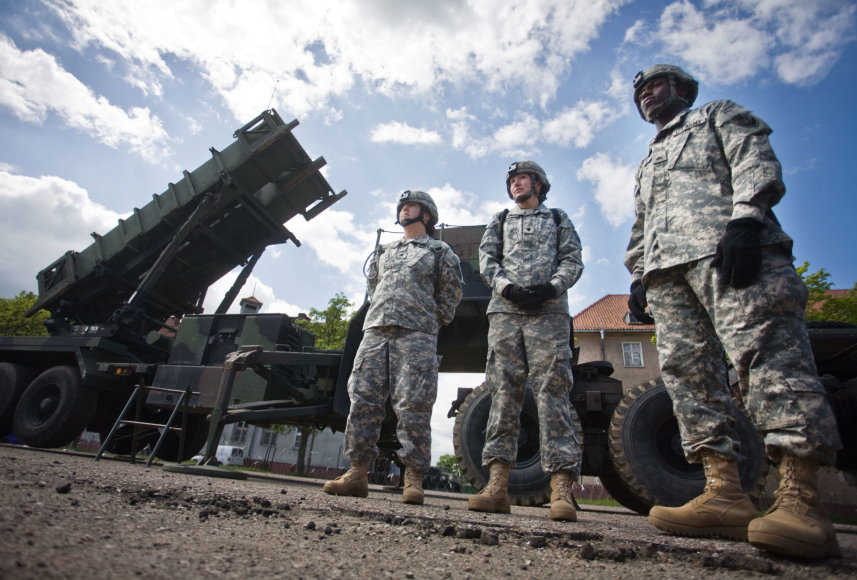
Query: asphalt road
[64,515]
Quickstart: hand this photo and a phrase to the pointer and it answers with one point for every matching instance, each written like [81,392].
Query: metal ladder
[181,405]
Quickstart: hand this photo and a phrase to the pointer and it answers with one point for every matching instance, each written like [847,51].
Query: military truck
[116,362]
[112,305]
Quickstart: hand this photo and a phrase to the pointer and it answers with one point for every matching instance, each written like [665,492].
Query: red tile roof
[815,307]
[608,313]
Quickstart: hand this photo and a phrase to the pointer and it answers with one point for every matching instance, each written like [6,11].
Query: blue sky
[102,103]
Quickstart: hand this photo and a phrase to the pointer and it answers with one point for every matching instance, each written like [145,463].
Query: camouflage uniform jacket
[705,167]
[413,283]
[531,249]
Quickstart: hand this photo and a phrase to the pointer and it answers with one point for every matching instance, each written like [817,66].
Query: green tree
[12,319]
[820,304]
[330,325]
[449,464]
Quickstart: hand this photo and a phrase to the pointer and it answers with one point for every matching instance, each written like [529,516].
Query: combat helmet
[676,76]
[425,201]
[536,173]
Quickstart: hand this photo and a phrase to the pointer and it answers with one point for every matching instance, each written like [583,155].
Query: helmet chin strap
[525,196]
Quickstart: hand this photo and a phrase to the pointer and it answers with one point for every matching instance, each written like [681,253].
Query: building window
[239,433]
[632,352]
[298,437]
[268,437]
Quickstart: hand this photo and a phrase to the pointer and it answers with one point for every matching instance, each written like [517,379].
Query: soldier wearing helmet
[681,88]
[537,176]
[428,209]
[530,256]
[710,260]
[414,287]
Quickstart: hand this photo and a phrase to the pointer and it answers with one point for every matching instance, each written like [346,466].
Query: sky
[104,102]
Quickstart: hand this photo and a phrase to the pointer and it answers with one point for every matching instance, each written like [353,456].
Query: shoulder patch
[745,120]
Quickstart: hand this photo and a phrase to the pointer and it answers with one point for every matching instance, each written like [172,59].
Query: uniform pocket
[778,291]
[563,351]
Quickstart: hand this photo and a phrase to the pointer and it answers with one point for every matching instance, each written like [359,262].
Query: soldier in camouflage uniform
[530,256]
[414,286]
[710,260]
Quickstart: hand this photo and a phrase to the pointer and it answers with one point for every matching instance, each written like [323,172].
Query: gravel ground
[64,515]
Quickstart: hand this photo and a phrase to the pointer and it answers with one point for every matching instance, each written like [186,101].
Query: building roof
[250,300]
[817,306]
[608,313]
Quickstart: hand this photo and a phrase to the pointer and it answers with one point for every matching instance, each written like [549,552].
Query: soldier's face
[409,210]
[520,184]
[653,94]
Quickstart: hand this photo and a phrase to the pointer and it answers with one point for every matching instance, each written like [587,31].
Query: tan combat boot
[413,492]
[795,524]
[354,482]
[562,506]
[494,497]
[723,509]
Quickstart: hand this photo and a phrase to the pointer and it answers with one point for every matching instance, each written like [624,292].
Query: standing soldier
[709,258]
[414,287]
[530,256]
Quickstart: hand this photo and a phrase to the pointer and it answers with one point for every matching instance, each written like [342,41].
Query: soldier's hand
[517,294]
[637,303]
[541,292]
[739,253]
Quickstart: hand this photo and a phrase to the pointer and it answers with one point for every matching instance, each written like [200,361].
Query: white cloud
[336,240]
[517,139]
[252,287]
[41,218]
[636,33]
[396,132]
[331,47]
[577,124]
[724,49]
[461,208]
[33,84]
[730,41]
[812,35]
[614,187]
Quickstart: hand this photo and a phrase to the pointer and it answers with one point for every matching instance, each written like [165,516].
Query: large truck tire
[645,447]
[54,409]
[528,484]
[619,490]
[14,378]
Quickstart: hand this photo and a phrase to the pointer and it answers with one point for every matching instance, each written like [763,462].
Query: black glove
[637,303]
[739,252]
[521,296]
[541,292]
[517,294]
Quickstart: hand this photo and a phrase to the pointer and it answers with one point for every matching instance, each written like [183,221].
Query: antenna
[272,93]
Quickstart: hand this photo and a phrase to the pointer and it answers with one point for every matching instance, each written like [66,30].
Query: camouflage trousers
[534,347]
[763,332]
[403,364]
